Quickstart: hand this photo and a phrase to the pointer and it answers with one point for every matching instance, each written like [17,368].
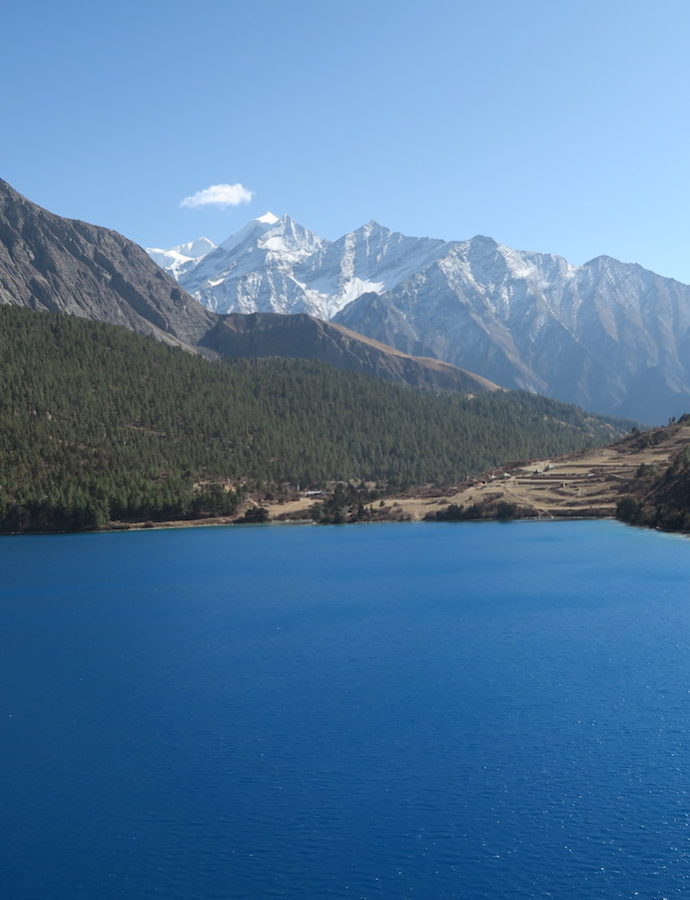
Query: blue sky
[559,126]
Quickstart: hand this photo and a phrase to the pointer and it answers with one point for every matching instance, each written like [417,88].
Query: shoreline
[224,522]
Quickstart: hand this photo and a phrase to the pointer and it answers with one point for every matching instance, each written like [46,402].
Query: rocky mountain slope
[68,266]
[607,335]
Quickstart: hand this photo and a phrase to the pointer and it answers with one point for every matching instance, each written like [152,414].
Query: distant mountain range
[609,336]
[51,263]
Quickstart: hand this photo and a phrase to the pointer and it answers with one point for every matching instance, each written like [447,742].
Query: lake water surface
[393,711]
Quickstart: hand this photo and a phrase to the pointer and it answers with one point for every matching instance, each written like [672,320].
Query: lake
[390,711]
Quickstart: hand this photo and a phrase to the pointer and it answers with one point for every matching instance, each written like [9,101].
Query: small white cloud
[219,195]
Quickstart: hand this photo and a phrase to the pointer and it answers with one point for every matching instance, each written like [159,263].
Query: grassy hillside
[97,423]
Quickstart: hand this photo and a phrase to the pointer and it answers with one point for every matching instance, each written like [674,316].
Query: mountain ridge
[607,335]
[299,336]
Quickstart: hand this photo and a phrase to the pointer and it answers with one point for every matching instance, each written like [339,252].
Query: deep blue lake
[391,711]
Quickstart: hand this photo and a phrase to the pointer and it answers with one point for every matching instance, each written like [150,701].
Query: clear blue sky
[550,125]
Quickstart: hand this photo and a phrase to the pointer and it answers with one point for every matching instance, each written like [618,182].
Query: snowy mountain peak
[249,233]
[190,249]
[287,241]
[606,263]
[483,240]
[197,248]
[277,236]
[372,227]
[252,269]
[181,259]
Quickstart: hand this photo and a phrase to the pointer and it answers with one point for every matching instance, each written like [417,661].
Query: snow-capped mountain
[372,258]
[253,270]
[606,335]
[179,260]
[276,265]
[610,336]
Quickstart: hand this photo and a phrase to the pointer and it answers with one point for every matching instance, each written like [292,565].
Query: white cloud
[219,195]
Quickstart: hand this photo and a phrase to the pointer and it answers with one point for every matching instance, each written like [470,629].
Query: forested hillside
[98,424]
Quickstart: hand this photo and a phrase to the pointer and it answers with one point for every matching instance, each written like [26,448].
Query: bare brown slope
[304,337]
[64,265]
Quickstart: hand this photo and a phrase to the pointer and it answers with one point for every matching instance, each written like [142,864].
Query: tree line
[98,424]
